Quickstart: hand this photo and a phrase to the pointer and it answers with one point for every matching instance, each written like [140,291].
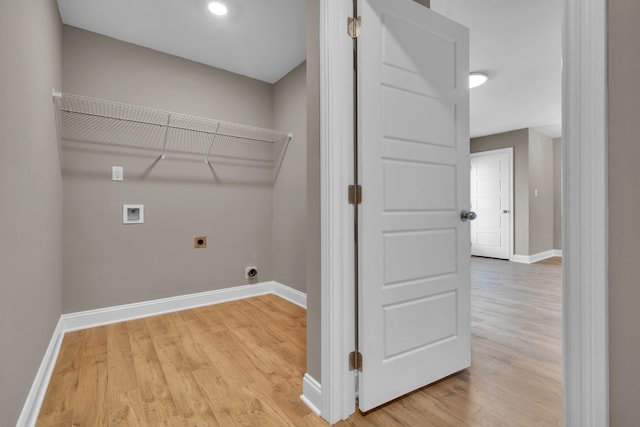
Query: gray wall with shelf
[107,263]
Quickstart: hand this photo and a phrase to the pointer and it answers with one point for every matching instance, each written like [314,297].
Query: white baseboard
[530,259]
[290,294]
[32,404]
[521,259]
[121,313]
[311,394]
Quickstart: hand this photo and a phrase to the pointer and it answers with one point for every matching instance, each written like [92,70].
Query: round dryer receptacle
[251,272]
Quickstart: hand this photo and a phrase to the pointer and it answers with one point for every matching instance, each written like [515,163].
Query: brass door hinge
[355,361]
[353,26]
[355,194]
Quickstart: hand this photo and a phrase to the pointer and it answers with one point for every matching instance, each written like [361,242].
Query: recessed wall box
[251,272]
[200,242]
[132,214]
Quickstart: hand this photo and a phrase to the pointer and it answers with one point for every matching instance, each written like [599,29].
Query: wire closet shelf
[165,133]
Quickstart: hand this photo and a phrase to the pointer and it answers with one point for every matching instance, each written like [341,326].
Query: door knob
[467,215]
[505,211]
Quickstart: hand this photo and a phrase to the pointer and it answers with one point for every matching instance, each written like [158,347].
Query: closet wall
[624,204]
[314,320]
[30,196]
[290,189]
[107,263]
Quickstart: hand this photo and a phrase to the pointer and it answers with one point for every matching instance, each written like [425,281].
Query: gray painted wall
[30,194]
[541,219]
[624,202]
[102,67]
[519,140]
[313,190]
[290,189]
[106,263]
[557,193]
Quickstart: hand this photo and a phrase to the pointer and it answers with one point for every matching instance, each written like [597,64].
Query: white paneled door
[413,124]
[491,182]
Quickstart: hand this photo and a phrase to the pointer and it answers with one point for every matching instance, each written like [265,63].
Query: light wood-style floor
[242,362]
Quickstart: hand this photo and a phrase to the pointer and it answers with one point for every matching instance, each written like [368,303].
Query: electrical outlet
[200,242]
[117,173]
[251,272]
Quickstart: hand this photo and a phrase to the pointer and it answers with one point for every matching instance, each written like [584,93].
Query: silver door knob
[505,211]
[467,215]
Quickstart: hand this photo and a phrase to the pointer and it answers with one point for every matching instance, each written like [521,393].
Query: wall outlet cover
[117,173]
[132,214]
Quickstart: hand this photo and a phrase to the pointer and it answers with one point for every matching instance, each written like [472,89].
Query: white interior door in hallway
[491,200]
[414,269]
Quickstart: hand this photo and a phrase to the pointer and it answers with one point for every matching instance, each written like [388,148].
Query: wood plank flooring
[241,364]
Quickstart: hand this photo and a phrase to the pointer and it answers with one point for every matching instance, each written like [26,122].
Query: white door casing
[413,123]
[585,370]
[491,199]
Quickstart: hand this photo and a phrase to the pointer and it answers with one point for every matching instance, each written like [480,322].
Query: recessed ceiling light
[217,8]
[477,79]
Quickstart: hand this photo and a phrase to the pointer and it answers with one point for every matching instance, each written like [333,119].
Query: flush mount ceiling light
[217,8]
[477,79]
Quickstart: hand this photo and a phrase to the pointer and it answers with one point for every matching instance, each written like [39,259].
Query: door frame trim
[509,151]
[337,309]
[585,217]
[585,196]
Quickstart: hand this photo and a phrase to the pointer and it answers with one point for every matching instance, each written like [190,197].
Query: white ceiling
[516,42]
[257,38]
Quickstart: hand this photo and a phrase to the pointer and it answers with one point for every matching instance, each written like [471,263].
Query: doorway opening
[584,121]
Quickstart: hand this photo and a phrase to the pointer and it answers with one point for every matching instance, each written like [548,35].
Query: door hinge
[353,26]
[355,194]
[355,361]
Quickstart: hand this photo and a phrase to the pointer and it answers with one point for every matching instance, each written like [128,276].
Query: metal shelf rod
[249,138]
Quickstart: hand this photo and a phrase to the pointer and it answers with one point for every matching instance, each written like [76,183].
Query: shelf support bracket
[215,134]
[279,158]
[166,134]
